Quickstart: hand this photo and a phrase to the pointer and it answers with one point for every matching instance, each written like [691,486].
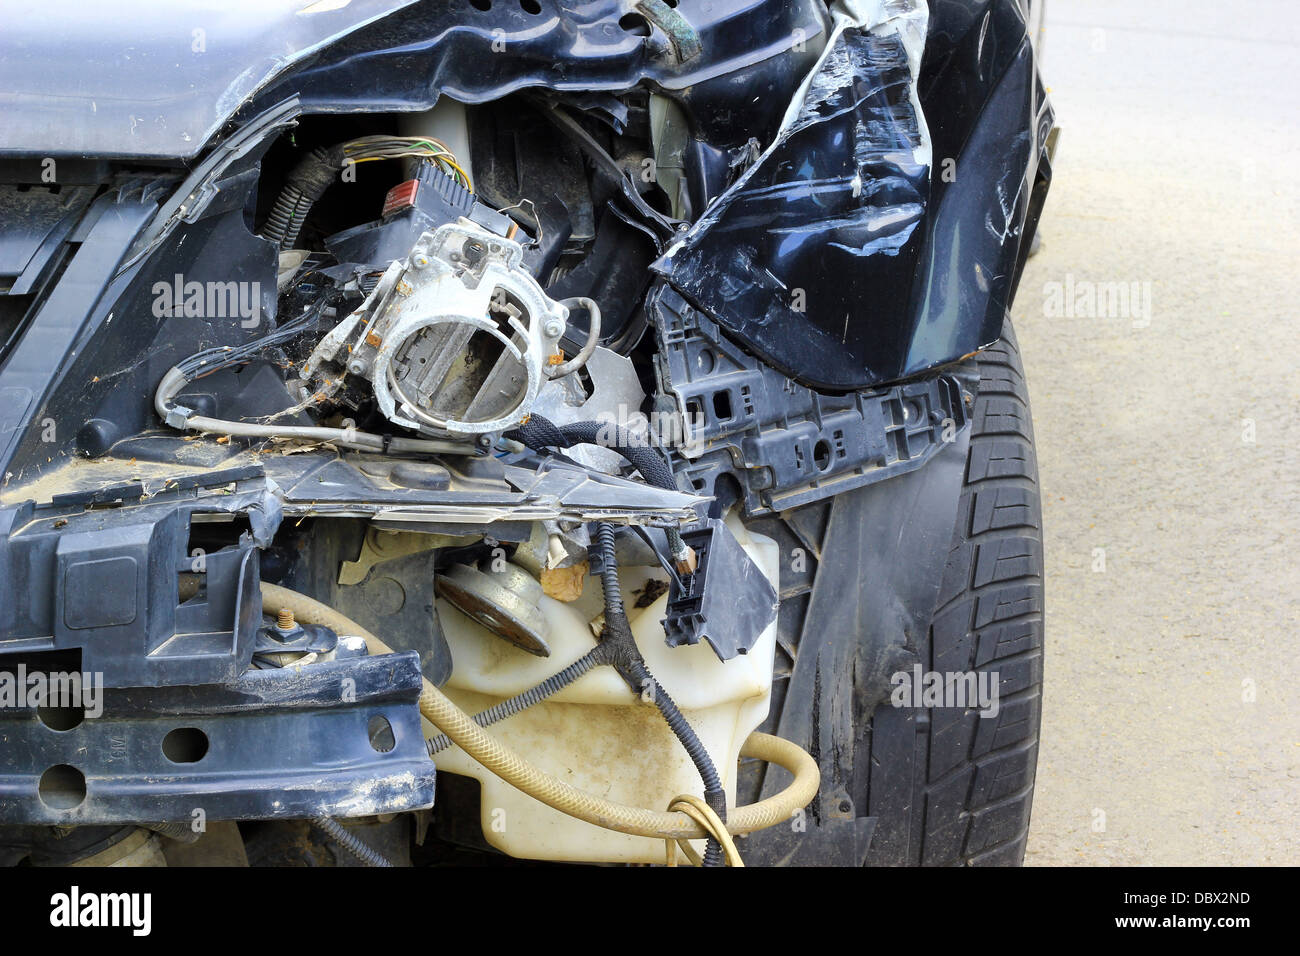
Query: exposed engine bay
[417,462]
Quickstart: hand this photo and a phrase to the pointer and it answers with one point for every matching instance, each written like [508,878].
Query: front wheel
[972,784]
[889,614]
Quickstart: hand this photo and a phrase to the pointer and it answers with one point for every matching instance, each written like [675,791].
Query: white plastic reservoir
[596,734]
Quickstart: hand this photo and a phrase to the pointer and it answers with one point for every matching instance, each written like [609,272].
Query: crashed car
[467,430]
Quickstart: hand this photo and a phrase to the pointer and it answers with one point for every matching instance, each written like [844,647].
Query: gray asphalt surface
[1168,436]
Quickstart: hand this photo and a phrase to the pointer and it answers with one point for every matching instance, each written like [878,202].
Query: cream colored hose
[519,773]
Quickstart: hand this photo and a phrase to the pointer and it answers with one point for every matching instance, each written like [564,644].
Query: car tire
[914,785]
[973,781]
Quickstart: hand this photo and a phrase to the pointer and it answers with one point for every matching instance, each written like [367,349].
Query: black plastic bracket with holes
[784,444]
[341,738]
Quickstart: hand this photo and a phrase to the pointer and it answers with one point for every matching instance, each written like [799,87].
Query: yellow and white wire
[369,149]
[704,815]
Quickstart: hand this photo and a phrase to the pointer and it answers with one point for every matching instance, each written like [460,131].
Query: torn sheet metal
[883,231]
[796,253]
[396,493]
[615,397]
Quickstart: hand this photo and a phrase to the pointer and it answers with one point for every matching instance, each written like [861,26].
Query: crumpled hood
[150,78]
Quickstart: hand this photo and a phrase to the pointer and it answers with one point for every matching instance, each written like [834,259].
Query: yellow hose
[703,814]
[518,772]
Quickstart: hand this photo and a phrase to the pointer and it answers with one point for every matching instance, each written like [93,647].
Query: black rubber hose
[305,184]
[182,831]
[534,695]
[339,834]
[540,433]
[627,658]
[277,223]
[609,571]
[714,793]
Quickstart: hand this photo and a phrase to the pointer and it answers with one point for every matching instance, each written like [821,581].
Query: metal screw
[284,620]
[554,328]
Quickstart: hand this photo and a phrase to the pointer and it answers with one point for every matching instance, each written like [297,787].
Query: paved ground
[1168,436]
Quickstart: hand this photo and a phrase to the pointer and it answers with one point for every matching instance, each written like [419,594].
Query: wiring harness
[372,148]
[309,179]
